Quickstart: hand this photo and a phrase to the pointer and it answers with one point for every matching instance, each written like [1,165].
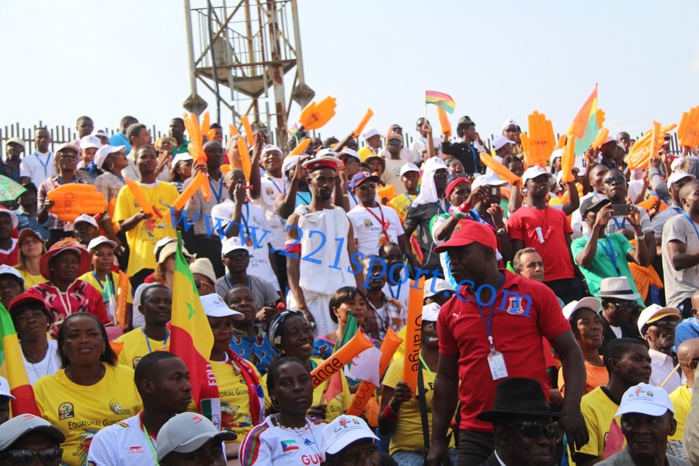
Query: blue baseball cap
[361,177]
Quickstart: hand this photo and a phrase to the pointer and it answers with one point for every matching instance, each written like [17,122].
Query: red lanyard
[382,221]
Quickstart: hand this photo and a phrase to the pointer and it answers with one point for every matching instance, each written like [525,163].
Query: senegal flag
[191,338]
[12,367]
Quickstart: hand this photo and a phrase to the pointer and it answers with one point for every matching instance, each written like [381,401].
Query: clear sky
[497,59]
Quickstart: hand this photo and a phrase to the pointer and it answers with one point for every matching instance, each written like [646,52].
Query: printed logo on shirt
[136,360]
[66,411]
[289,445]
[135,450]
[116,408]
[514,305]
[367,223]
[269,191]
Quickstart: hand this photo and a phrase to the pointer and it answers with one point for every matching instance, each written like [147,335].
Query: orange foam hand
[315,116]
[362,124]
[73,199]
[526,146]
[541,137]
[501,170]
[688,131]
[600,118]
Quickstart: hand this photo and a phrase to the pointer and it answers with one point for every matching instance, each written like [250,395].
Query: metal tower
[241,51]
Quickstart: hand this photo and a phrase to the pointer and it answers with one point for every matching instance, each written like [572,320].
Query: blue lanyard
[150,350]
[108,281]
[441,209]
[489,322]
[609,251]
[410,200]
[397,295]
[619,227]
[45,165]
[299,196]
[230,283]
[696,230]
[218,194]
[275,184]
[356,202]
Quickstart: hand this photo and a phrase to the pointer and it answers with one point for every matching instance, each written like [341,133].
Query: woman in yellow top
[291,335]
[31,248]
[239,383]
[400,409]
[90,392]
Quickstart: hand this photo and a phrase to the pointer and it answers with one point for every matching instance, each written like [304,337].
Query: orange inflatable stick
[301,147]
[205,188]
[232,131]
[140,196]
[248,130]
[501,170]
[190,190]
[211,134]
[413,334]
[365,390]
[205,126]
[122,295]
[444,121]
[388,192]
[567,161]
[226,168]
[244,157]
[600,138]
[365,119]
[340,358]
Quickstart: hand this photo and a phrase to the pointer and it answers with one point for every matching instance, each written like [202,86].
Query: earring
[275,404]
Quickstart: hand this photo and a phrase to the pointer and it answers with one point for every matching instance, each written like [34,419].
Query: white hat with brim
[203,266]
[343,431]
[586,303]
[5,389]
[536,171]
[215,307]
[679,176]
[100,240]
[617,288]
[187,432]
[645,399]
[370,133]
[23,424]
[487,180]
[500,142]
[654,313]
[104,152]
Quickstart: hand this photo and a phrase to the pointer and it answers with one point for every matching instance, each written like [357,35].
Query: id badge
[496,361]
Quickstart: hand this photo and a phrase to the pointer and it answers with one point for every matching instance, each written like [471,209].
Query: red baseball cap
[454,183]
[467,232]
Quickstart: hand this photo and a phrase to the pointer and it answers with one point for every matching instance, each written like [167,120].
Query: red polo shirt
[516,331]
[554,226]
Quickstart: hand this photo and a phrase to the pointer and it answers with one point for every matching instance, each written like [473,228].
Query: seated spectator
[31,248]
[689,327]
[249,335]
[349,440]
[291,393]
[397,283]
[382,312]
[156,308]
[647,420]
[628,364]
[165,268]
[401,413]
[11,284]
[86,229]
[188,439]
[27,212]
[393,162]
[600,255]
[9,249]
[292,336]
[67,399]
[32,320]
[30,435]
[657,325]
[681,397]
[587,328]
[64,293]
[346,301]
[525,429]
[619,304]
[203,275]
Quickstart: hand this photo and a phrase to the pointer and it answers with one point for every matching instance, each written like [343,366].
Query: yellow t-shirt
[408,433]
[137,345]
[99,286]
[401,203]
[30,279]
[143,237]
[235,399]
[81,411]
[336,407]
[681,399]
[598,410]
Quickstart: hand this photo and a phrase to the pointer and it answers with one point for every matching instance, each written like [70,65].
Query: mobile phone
[620,210]
[494,190]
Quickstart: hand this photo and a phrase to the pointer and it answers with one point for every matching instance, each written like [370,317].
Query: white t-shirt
[419,145]
[406,155]
[271,189]
[576,220]
[259,231]
[47,366]
[38,166]
[367,229]
[270,444]
[123,443]
[680,284]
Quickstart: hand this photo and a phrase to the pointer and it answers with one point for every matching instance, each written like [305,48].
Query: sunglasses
[534,430]
[48,456]
[612,179]
[626,304]
[200,284]
[238,255]
[369,185]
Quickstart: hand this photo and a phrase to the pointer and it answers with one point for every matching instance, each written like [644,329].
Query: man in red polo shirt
[546,229]
[489,331]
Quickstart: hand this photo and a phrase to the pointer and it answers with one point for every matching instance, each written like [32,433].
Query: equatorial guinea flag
[191,338]
[12,368]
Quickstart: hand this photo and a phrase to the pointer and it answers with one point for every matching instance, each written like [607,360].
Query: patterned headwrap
[274,331]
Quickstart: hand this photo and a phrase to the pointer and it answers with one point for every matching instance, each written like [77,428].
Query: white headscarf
[428,191]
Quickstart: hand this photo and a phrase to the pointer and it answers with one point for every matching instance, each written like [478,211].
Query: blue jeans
[417,458]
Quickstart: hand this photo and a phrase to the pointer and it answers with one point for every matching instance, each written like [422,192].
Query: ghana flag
[191,338]
[12,367]
[441,100]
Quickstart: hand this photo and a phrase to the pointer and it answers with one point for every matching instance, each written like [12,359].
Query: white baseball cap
[13,216]
[5,388]
[645,399]
[215,307]
[350,152]
[677,176]
[100,240]
[654,313]
[556,154]
[18,141]
[86,219]
[104,151]
[439,285]
[587,302]
[7,270]
[371,132]
[90,142]
[535,171]
[487,180]
[500,142]
[341,432]
[187,432]
[430,312]
[508,122]
[409,167]
[203,266]
[22,424]
[271,148]
[234,243]
[183,157]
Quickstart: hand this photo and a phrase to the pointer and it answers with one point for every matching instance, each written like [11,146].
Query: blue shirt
[257,349]
[119,139]
[686,330]
[25,220]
